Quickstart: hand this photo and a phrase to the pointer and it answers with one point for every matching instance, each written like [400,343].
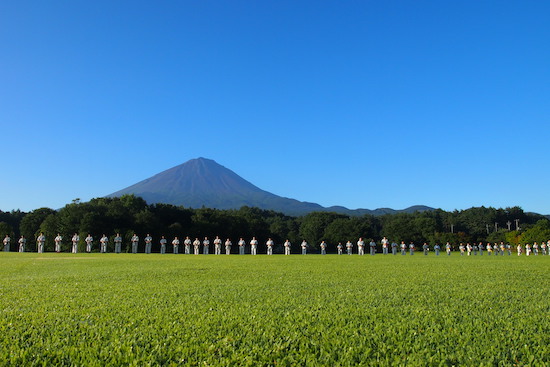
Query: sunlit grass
[98,309]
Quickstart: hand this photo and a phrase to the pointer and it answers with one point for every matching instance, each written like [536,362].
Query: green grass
[108,309]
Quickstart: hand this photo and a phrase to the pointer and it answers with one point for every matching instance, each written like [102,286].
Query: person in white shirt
[403,248]
[7,241]
[323,248]
[135,242]
[118,243]
[228,246]
[253,246]
[304,247]
[269,245]
[241,244]
[411,248]
[217,246]
[104,242]
[385,245]
[394,248]
[162,245]
[89,243]
[196,246]
[175,244]
[40,241]
[22,242]
[75,240]
[372,246]
[206,244]
[148,243]
[361,246]
[162,242]
[519,249]
[287,247]
[349,247]
[58,240]
[340,248]
[187,244]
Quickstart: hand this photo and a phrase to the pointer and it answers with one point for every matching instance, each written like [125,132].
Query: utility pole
[452,228]
[487,226]
[496,227]
[509,224]
[517,224]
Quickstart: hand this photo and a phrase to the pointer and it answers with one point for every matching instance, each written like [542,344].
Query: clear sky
[364,104]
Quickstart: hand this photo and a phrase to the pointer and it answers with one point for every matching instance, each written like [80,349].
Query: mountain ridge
[203,182]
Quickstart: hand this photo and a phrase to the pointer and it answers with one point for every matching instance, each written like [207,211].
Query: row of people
[194,246]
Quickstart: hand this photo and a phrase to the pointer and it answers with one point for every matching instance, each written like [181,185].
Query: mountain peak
[204,182]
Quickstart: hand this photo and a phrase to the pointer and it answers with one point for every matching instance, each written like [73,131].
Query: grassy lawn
[108,309]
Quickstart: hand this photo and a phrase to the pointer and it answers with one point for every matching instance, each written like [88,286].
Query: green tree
[30,225]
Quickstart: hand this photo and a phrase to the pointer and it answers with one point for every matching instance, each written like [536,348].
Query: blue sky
[364,104]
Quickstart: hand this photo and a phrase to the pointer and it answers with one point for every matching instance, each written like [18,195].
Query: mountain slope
[203,182]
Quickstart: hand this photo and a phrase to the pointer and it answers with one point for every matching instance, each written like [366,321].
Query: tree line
[130,214]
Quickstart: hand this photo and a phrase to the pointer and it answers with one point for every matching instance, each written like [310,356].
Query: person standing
[437,248]
[536,248]
[241,244]
[480,247]
[542,247]
[22,242]
[253,246]
[508,249]
[502,247]
[372,245]
[304,247]
[75,240]
[394,248]
[360,247]
[323,248]
[7,241]
[385,245]
[187,244]
[40,241]
[527,249]
[228,246]
[175,245]
[489,249]
[469,249]
[217,245]
[135,242]
[148,243]
[340,248]
[403,248]
[163,245]
[411,248]
[448,248]
[287,247]
[206,245]
[269,245]
[104,242]
[519,249]
[475,249]
[425,248]
[349,247]
[89,243]
[118,244]
[58,240]
[461,249]
[196,246]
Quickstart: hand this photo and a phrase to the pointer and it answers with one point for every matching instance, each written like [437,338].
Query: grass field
[107,309]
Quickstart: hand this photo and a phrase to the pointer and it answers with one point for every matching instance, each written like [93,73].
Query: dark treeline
[129,214]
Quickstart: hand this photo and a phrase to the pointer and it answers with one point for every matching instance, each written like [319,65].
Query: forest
[130,214]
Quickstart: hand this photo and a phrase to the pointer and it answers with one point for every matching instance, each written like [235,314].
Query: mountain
[203,182]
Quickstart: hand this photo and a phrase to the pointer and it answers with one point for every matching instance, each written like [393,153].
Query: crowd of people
[194,247]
